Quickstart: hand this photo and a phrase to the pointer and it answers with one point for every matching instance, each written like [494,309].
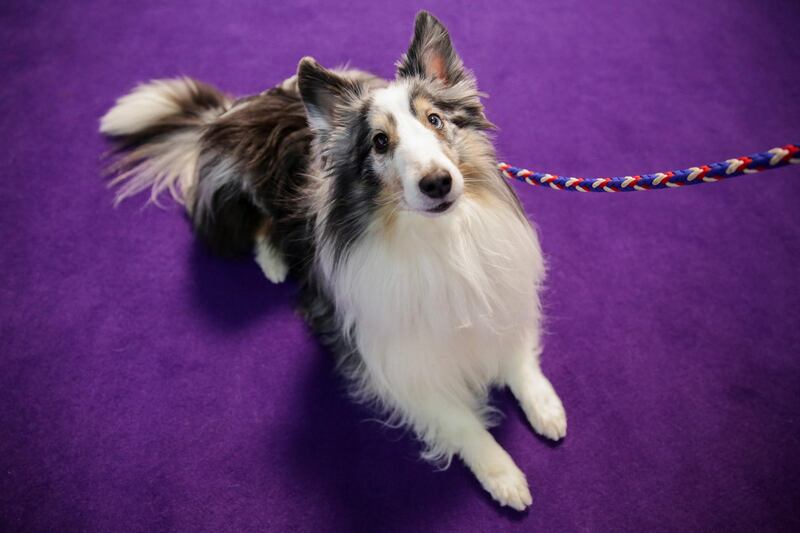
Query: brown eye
[436,121]
[380,142]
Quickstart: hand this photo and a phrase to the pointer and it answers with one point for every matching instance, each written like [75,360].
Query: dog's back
[239,166]
[251,172]
[232,163]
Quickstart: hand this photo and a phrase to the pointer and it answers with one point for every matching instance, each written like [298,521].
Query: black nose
[436,185]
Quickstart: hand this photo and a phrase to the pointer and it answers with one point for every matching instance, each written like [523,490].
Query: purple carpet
[148,386]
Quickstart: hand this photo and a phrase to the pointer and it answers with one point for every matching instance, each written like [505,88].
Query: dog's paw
[506,484]
[272,264]
[545,411]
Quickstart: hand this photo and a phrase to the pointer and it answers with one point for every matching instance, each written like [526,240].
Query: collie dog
[383,201]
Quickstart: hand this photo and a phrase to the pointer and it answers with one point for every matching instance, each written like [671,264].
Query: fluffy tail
[161,123]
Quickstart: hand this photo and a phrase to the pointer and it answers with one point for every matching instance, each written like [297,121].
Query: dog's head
[416,143]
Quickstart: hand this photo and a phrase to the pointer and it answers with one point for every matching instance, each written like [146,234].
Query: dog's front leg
[450,427]
[533,390]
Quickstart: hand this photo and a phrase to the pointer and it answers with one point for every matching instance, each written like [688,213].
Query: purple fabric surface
[147,386]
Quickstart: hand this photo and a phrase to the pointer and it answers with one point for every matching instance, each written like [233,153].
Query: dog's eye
[380,142]
[436,121]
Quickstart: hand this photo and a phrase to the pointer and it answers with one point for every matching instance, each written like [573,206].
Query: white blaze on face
[418,151]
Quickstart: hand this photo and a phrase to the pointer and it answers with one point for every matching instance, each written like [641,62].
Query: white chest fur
[435,297]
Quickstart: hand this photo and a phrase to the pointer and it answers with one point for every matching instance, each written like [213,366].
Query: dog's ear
[431,54]
[321,91]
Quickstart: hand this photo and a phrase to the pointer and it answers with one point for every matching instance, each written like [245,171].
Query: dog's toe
[508,486]
[552,424]
[546,414]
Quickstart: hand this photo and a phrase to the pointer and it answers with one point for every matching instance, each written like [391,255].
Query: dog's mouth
[441,208]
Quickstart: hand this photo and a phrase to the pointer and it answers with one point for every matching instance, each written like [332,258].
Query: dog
[383,201]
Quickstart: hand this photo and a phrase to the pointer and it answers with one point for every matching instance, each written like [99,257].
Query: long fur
[428,296]
[161,123]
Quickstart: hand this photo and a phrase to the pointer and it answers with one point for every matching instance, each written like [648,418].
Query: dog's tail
[161,123]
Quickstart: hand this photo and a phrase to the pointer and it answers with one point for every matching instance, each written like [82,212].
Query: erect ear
[431,54]
[321,91]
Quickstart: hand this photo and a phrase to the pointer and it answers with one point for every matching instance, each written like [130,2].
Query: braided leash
[777,157]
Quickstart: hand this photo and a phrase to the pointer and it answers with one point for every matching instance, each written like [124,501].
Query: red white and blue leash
[777,157]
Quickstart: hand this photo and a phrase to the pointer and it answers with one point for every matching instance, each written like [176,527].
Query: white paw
[545,411]
[272,264]
[506,484]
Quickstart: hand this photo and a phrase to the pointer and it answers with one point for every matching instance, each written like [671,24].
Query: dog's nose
[436,185]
